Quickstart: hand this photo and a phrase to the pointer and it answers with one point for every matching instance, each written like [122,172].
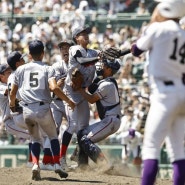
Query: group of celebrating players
[35,97]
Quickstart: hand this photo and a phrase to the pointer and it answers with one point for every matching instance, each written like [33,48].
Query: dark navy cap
[78,30]
[132,133]
[69,42]
[36,47]
[3,68]
[14,57]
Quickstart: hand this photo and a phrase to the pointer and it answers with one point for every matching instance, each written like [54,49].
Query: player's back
[167,52]
[165,42]
[32,79]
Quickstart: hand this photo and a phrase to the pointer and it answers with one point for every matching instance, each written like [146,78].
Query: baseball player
[131,141]
[35,81]
[61,68]
[14,60]
[57,105]
[165,41]
[82,58]
[11,126]
[105,94]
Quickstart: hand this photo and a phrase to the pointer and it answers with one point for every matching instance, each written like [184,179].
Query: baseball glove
[76,79]
[110,53]
[137,161]
[17,108]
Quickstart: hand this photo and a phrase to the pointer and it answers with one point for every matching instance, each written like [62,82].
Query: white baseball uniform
[131,145]
[166,44]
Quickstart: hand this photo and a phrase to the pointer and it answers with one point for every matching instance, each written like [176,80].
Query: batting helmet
[171,8]
[113,64]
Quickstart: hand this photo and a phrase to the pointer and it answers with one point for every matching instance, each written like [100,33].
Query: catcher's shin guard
[92,150]
[82,156]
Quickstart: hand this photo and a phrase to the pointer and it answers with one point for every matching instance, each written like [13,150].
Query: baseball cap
[36,47]
[132,133]
[13,57]
[171,8]
[3,68]
[69,42]
[78,30]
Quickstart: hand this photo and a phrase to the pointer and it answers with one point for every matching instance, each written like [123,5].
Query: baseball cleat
[49,167]
[60,171]
[36,173]
[63,164]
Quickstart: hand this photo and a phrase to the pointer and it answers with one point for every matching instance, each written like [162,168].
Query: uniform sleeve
[147,38]
[51,73]
[103,89]
[3,89]
[15,79]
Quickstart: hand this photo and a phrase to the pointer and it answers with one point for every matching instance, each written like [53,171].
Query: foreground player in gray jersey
[105,94]
[35,81]
[165,41]
[57,105]
[61,68]
[82,58]
[11,127]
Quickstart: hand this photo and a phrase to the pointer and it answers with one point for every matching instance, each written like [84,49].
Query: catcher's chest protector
[100,108]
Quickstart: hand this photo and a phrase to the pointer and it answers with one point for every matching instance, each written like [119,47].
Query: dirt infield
[22,176]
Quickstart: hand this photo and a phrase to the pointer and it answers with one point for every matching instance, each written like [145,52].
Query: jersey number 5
[34,80]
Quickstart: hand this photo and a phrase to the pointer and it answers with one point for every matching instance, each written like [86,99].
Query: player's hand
[12,108]
[71,104]
[61,82]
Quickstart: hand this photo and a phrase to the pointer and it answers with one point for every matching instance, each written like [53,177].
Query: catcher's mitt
[110,53]
[137,161]
[76,79]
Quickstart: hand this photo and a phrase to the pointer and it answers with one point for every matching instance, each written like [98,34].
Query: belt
[168,83]
[40,103]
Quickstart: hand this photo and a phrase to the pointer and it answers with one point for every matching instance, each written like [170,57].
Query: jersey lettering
[183,78]
[33,80]
[181,52]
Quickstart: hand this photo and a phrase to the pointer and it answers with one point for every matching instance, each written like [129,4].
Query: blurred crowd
[132,77]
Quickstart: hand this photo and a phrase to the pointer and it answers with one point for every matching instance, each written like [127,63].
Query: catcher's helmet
[113,64]
[171,8]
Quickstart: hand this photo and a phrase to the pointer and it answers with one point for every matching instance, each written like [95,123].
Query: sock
[47,158]
[55,148]
[29,154]
[179,172]
[65,143]
[150,170]
[35,149]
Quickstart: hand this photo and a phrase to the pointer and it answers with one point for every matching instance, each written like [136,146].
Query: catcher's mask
[113,64]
